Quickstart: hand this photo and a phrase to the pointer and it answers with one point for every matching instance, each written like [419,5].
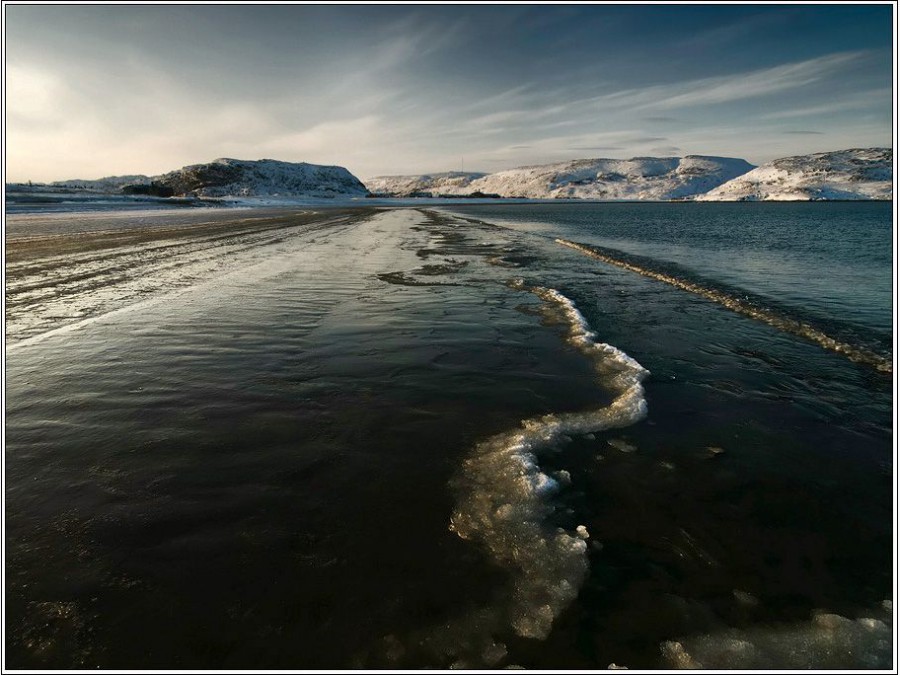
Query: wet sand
[65,268]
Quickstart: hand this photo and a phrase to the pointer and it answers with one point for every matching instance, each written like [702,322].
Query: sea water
[461,437]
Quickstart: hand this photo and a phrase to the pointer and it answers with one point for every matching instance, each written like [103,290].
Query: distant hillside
[641,178]
[845,174]
[261,178]
[426,185]
[110,184]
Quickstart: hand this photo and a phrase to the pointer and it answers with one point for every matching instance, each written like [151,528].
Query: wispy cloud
[512,97]
[602,148]
[415,37]
[727,88]
[643,140]
[859,101]
[328,138]
[740,30]
[499,119]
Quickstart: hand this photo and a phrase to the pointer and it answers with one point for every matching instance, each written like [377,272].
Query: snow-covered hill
[426,185]
[261,178]
[108,185]
[845,174]
[641,178]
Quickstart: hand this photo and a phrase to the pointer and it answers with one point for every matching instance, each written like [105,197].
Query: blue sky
[96,90]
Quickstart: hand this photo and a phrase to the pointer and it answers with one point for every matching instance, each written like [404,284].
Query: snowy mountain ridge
[425,185]
[108,184]
[858,173]
[226,177]
[639,178]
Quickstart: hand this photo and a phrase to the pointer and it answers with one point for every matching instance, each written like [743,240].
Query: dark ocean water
[421,437]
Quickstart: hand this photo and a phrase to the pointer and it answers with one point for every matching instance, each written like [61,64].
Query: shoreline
[153,223]
[56,279]
[187,206]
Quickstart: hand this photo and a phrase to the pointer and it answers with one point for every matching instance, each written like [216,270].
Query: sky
[98,90]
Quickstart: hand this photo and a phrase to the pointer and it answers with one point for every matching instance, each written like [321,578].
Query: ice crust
[504,498]
[826,641]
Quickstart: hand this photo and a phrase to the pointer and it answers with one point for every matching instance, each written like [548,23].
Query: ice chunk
[745,598]
[827,641]
[621,445]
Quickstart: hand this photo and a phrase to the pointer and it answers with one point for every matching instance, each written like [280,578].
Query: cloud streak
[737,87]
[859,101]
